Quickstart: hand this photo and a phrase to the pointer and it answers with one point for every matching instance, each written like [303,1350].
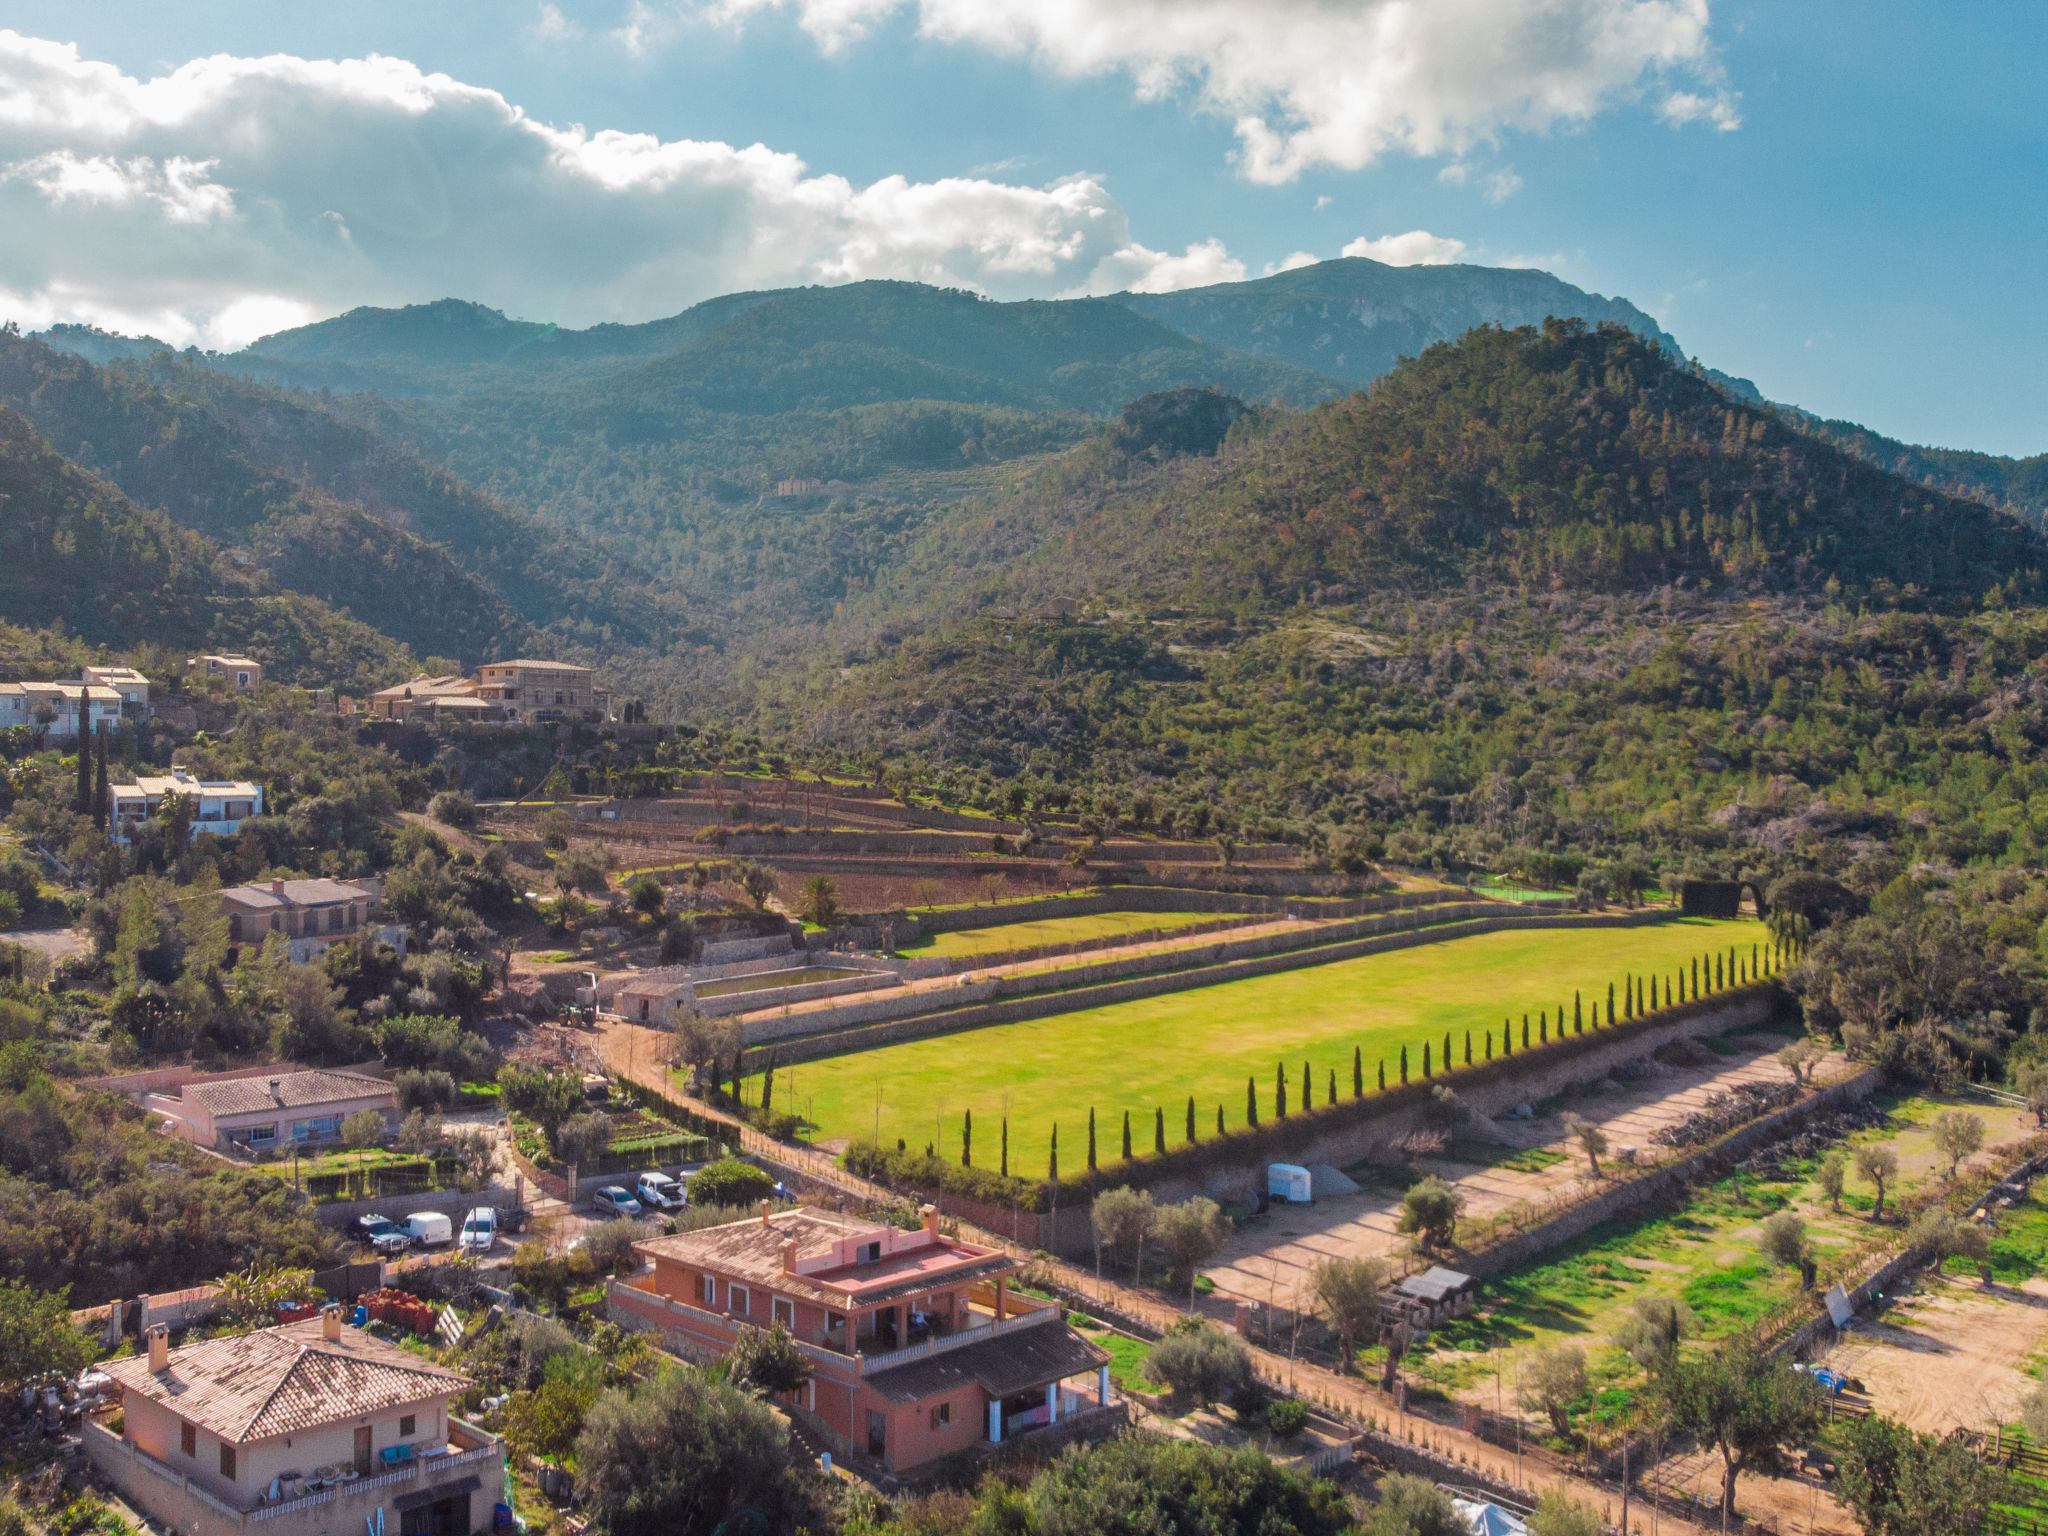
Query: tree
[1558,1514]
[1138,1485]
[610,1244]
[1958,1134]
[362,1130]
[547,1098]
[1879,1165]
[1801,1057]
[1949,1237]
[1195,1360]
[476,1154]
[249,1298]
[1347,1293]
[1834,1169]
[417,1132]
[1743,1402]
[37,1341]
[1125,1216]
[820,901]
[1191,1233]
[1429,1211]
[582,1139]
[99,782]
[418,1089]
[1653,1329]
[730,1183]
[1782,1239]
[1413,1506]
[701,1042]
[1591,1139]
[1553,1377]
[756,879]
[84,749]
[768,1364]
[2030,1079]
[683,1455]
[648,895]
[1902,1483]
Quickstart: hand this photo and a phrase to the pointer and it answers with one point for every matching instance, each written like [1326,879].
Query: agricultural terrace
[1707,1255]
[964,943]
[1153,1054]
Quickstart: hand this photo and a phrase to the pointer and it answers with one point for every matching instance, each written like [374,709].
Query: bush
[1198,1361]
[1287,1417]
[419,1090]
[610,1244]
[453,808]
[730,1182]
[915,1170]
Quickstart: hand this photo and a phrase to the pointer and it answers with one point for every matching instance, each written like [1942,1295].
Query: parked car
[383,1234]
[614,1200]
[480,1230]
[659,1192]
[430,1229]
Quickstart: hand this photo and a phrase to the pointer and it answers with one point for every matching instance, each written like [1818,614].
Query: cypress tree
[1525,1031]
[1308,1088]
[1717,973]
[967,1139]
[1404,1063]
[1489,1045]
[1357,1072]
[84,747]
[1219,1120]
[1468,1047]
[1425,1058]
[1091,1141]
[1332,1098]
[1191,1119]
[99,786]
[1578,1018]
[1127,1135]
[1251,1102]
[1159,1129]
[1507,1037]
[1653,994]
[1446,1057]
[1695,976]
[1280,1091]
[1383,1074]
[1610,1004]
[1629,995]
[767,1082]
[1005,1170]
[1052,1163]
[1542,1027]
[1755,954]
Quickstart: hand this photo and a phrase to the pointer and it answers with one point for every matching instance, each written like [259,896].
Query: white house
[219,806]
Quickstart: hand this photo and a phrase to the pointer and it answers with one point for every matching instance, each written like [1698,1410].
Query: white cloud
[238,192]
[1502,185]
[1317,82]
[551,26]
[1322,202]
[1682,107]
[1416,248]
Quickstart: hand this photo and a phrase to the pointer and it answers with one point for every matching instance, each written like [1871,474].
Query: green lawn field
[1157,1051]
[966,942]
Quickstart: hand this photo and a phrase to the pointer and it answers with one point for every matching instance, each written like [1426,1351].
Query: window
[942,1413]
[188,1439]
[782,1310]
[406,1424]
[737,1300]
[262,1135]
[227,1461]
[708,1289]
[871,1253]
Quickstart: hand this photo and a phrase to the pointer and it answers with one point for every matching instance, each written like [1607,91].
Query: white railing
[346,1490]
[944,1342]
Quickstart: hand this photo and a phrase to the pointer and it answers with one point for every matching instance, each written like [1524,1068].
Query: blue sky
[1845,203]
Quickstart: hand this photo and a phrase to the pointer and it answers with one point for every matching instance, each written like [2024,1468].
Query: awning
[1001,1366]
[426,1496]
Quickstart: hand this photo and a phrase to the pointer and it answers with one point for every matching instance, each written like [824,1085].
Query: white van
[430,1229]
[480,1229]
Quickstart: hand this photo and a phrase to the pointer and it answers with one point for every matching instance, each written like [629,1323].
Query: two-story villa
[310,1429]
[219,806]
[918,1345]
[543,690]
[310,914]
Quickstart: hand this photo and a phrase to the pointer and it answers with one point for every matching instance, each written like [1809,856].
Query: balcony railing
[942,1343]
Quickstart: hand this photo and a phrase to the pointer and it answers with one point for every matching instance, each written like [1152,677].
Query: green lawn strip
[312,1165]
[1153,1053]
[1127,1356]
[961,943]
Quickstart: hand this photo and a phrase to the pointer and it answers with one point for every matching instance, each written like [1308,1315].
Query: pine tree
[1091,1141]
[1357,1072]
[1191,1119]
[1159,1129]
[1127,1135]
[1251,1102]
[1005,1169]
[967,1139]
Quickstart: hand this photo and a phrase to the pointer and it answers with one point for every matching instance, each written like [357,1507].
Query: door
[443,1517]
[363,1450]
[878,1433]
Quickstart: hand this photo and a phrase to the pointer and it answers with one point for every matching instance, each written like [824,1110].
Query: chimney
[930,1214]
[789,1256]
[330,1323]
[274,1094]
[159,1340]
[765,1205]
[276,887]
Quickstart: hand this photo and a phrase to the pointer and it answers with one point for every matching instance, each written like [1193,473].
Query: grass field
[963,943]
[1155,1052]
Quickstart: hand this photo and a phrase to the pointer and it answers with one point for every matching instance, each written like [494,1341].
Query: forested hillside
[75,552]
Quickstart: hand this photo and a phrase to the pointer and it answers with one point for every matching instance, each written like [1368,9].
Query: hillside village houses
[918,1346]
[311,915]
[238,671]
[219,806]
[116,696]
[313,1428]
[534,691]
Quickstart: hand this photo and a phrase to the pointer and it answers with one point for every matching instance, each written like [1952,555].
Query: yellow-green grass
[964,943]
[1153,1053]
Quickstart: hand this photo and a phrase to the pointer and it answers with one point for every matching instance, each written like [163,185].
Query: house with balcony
[309,1429]
[129,683]
[919,1345]
[50,710]
[219,806]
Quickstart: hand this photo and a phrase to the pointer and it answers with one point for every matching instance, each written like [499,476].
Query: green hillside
[76,553]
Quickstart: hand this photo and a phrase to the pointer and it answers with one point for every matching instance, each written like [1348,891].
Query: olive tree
[1190,1233]
[1124,1216]
[1741,1401]
[1347,1293]
[1429,1212]
[1879,1165]
[1958,1134]
[1552,1378]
